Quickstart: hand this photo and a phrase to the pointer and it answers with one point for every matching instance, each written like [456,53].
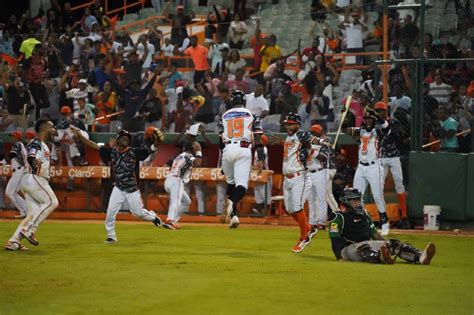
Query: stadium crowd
[81,69]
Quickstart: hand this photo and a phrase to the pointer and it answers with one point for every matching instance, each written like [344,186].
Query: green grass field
[212,270]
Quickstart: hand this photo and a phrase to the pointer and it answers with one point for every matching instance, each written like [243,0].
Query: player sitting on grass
[354,237]
[123,160]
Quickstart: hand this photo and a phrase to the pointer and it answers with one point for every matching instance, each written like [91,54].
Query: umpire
[354,237]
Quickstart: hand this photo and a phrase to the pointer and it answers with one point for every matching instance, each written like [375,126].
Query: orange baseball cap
[66,110]
[264,139]
[17,134]
[149,132]
[30,134]
[381,105]
[316,129]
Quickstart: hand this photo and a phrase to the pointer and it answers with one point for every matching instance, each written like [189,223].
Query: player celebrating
[370,169]
[123,160]
[354,237]
[391,159]
[177,178]
[19,168]
[297,184]
[237,131]
[39,196]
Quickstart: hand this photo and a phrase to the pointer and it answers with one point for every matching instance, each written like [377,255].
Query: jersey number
[235,128]
[365,144]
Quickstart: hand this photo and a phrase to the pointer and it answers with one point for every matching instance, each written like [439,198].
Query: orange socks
[402,200]
[300,217]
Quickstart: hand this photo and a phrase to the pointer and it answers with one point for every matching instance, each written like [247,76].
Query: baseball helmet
[30,134]
[292,118]
[238,98]
[264,139]
[351,194]
[381,105]
[17,134]
[122,133]
[316,129]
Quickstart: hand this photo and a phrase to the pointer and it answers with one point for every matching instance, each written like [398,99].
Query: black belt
[367,163]
[16,168]
[243,143]
[314,171]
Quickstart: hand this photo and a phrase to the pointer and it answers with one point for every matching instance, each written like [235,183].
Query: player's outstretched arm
[84,140]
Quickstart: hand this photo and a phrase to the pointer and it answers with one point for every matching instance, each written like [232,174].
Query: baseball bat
[343,117]
[439,140]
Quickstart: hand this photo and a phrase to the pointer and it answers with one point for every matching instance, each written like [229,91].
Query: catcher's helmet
[351,194]
[238,98]
[122,133]
[292,118]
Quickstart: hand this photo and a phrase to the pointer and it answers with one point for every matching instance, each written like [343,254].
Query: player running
[370,169]
[297,184]
[177,178]
[18,161]
[39,196]
[238,130]
[124,163]
[354,237]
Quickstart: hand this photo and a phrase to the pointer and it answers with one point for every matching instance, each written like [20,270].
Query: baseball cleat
[20,216]
[227,209]
[385,255]
[234,222]
[312,233]
[385,229]
[428,254]
[170,225]
[15,246]
[30,237]
[157,221]
[110,240]
[300,246]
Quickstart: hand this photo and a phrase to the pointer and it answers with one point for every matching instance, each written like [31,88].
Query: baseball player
[296,183]
[354,237]
[391,159]
[259,189]
[19,168]
[237,131]
[123,160]
[39,196]
[177,178]
[370,169]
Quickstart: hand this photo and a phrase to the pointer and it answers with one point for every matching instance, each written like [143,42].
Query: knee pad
[405,251]
[368,254]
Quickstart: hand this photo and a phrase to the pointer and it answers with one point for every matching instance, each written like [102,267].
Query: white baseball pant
[179,200]
[372,175]
[393,164]
[329,195]
[13,188]
[296,192]
[200,189]
[221,190]
[259,192]
[318,207]
[135,205]
[236,164]
[40,201]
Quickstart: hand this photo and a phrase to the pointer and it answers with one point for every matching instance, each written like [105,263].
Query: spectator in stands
[152,110]
[80,92]
[68,18]
[223,21]
[198,54]
[270,51]
[6,123]
[6,43]
[447,128]
[210,30]
[178,25]
[85,113]
[205,112]
[106,105]
[215,55]
[234,62]
[182,115]
[17,97]
[237,30]
[256,102]
[145,51]
[440,90]
[35,68]
[353,29]
[226,104]
[318,11]
[408,32]
[87,20]
[399,100]
[310,53]
[133,68]
[239,82]
[256,43]
[275,75]
[344,174]
[99,73]
[286,103]
[65,140]
[318,108]
[168,48]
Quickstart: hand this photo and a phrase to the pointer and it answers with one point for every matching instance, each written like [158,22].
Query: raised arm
[80,137]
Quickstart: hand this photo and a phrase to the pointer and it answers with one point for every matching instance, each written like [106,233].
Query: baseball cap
[82,81]
[381,105]
[264,139]
[179,7]
[316,129]
[66,110]
[17,134]
[30,134]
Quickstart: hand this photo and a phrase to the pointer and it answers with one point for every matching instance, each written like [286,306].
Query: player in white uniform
[39,196]
[297,184]
[237,131]
[19,168]
[177,178]
[370,169]
[259,189]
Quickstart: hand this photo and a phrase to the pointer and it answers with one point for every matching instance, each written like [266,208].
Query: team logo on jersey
[232,115]
[334,227]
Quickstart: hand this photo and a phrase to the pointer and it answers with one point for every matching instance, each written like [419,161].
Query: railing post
[385,51]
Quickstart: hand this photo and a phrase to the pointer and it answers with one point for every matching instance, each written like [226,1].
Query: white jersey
[265,163]
[239,124]
[295,152]
[369,149]
[182,166]
[18,155]
[40,151]
[314,164]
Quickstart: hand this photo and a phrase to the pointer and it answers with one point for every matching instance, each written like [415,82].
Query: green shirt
[352,227]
